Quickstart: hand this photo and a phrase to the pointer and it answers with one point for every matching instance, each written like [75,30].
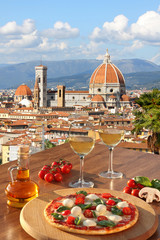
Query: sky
[52,30]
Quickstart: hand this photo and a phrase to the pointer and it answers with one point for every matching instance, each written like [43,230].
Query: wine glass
[111,137]
[82,141]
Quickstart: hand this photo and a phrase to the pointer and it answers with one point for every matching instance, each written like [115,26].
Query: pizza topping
[106,195]
[115,210]
[101,218]
[127,211]
[101,208]
[77,221]
[111,202]
[62,208]
[82,192]
[88,213]
[79,200]
[92,196]
[122,204]
[66,212]
[56,205]
[89,223]
[70,220]
[115,218]
[76,211]
[106,223]
[57,216]
[68,202]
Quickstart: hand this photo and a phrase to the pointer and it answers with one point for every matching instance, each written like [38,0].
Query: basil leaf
[85,206]
[82,192]
[106,223]
[156,183]
[98,201]
[77,220]
[94,214]
[116,211]
[57,216]
[116,199]
[62,208]
[143,180]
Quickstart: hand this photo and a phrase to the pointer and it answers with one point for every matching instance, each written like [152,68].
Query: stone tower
[41,77]
[61,96]
[36,95]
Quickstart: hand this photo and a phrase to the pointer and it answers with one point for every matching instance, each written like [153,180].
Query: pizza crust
[65,228]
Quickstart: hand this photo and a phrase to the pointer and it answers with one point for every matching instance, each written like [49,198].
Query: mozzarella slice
[115,218]
[92,196]
[101,208]
[76,211]
[68,202]
[122,204]
[89,223]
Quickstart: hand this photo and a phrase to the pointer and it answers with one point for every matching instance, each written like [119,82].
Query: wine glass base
[111,174]
[83,184]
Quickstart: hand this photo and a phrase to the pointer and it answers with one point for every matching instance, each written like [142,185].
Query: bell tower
[36,95]
[41,77]
[61,96]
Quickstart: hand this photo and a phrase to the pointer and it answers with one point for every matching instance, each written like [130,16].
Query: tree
[48,144]
[148,117]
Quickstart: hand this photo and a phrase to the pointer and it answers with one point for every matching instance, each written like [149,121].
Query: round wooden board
[33,222]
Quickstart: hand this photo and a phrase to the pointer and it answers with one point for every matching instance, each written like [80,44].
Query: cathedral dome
[107,73]
[125,98]
[97,98]
[23,90]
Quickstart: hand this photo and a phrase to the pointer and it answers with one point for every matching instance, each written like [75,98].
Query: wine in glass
[82,140]
[111,137]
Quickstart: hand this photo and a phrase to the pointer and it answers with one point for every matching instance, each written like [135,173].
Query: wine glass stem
[110,166]
[81,170]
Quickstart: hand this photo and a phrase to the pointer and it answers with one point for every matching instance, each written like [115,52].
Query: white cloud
[61,30]
[11,28]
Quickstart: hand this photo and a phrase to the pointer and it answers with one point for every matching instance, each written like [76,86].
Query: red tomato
[140,186]
[70,165]
[66,212]
[58,177]
[65,169]
[49,177]
[54,164]
[46,168]
[41,174]
[106,195]
[127,210]
[88,213]
[131,183]
[58,170]
[127,190]
[135,192]
[81,195]
[70,220]
[92,208]
[101,218]
[57,205]
[79,200]
[111,202]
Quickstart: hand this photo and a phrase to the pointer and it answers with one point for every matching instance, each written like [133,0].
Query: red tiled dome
[125,98]
[23,90]
[97,98]
[107,73]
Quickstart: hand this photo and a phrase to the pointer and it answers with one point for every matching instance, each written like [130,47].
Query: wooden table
[131,163]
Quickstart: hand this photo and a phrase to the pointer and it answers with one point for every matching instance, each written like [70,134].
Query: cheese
[92,196]
[68,202]
[89,223]
[76,211]
[122,204]
[115,218]
[101,208]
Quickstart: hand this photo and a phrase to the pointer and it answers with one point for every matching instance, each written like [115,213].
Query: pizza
[91,213]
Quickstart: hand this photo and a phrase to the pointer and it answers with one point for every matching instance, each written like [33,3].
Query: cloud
[61,30]
[11,28]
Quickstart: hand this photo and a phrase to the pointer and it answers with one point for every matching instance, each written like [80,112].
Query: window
[111,90]
[39,80]
[59,93]
[73,98]
[99,90]
[84,98]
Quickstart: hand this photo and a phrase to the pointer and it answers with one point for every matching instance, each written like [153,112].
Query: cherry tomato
[54,164]
[41,174]
[127,210]
[81,195]
[92,208]
[58,170]
[127,190]
[131,183]
[65,169]
[101,218]
[49,177]
[106,195]
[135,192]
[79,201]
[111,202]
[57,205]
[70,220]
[46,168]
[70,165]
[88,213]
[58,177]
[140,186]
[66,212]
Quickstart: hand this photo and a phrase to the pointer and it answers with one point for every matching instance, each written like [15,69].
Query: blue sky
[59,30]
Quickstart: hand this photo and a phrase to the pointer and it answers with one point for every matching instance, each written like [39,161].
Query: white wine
[81,145]
[111,139]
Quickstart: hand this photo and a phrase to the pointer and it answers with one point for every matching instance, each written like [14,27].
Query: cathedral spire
[107,57]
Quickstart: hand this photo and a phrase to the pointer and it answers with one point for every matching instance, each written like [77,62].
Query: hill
[76,73]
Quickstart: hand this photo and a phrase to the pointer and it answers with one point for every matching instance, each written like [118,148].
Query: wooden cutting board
[33,222]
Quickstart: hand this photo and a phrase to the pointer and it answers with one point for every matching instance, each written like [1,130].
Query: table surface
[130,162]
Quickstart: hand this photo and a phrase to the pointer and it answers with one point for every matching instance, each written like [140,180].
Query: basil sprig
[85,206]
[57,216]
[62,208]
[106,223]
[143,180]
[77,220]
[116,211]
[82,192]
[116,199]
[98,201]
